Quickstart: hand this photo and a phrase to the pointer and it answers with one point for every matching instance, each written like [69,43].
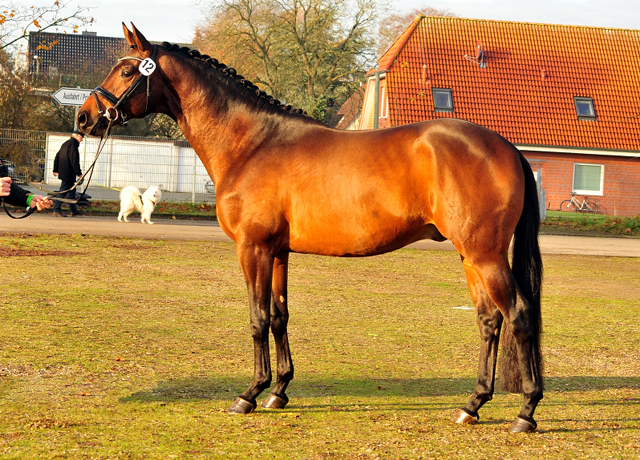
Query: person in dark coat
[66,166]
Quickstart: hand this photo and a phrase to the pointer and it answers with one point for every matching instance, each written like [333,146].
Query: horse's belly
[358,240]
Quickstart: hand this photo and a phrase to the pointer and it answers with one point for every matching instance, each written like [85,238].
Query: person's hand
[41,202]
[5,186]
[55,174]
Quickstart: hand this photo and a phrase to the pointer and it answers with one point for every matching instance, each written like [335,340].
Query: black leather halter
[114,112]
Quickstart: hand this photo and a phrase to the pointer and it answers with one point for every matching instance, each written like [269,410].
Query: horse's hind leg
[277,399]
[489,321]
[520,337]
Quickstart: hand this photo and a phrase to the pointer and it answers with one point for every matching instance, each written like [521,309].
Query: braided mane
[230,73]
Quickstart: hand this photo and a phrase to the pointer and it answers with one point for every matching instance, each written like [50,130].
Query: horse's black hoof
[274,402]
[241,406]
[463,417]
[521,425]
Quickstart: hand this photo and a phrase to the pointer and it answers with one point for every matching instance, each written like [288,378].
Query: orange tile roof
[390,55]
[526,90]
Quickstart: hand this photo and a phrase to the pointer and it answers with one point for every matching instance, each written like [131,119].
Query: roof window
[584,108]
[442,100]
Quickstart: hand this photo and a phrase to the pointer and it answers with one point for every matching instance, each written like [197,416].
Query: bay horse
[287,183]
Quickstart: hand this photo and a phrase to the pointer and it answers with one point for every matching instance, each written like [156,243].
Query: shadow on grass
[203,388]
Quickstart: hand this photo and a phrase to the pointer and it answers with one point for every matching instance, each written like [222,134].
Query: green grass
[132,348]
[592,224]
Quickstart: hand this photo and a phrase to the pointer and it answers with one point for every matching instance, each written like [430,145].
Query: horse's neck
[223,131]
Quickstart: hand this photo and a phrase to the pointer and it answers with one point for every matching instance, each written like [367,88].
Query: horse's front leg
[257,266]
[277,399]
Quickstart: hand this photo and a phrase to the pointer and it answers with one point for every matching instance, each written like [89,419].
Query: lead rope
[53,196]
[27,214]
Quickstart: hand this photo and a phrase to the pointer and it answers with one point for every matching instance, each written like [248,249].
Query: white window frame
[588,192]
[384,102]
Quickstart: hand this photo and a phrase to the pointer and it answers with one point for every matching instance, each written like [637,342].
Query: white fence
[139,162]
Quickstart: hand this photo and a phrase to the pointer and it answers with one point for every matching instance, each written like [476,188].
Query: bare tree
[392,26]
[308,53]
[242,34]
[17,21]
[19,109]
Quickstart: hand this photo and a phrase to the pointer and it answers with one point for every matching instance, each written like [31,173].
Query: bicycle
[575,205]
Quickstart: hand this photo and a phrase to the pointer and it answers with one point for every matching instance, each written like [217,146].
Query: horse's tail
[527,270]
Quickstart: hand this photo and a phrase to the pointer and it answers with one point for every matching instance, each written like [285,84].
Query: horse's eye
[126,73]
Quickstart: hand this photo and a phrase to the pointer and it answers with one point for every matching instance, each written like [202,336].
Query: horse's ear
[142,43]
[128,35]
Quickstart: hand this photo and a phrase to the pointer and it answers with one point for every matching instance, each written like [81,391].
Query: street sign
[71,96]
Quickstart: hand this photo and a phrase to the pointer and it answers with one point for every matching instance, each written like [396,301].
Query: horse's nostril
[82,119]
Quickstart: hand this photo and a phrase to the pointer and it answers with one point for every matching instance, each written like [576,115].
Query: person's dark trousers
[57,207]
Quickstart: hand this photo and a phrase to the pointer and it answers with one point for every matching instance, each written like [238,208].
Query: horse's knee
[260,329]
[490,324]
[259,333]
[279,324]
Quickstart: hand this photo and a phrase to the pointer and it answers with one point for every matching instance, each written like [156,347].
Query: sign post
[73,97]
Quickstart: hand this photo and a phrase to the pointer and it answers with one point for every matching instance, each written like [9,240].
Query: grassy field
[125,348]
[590,224]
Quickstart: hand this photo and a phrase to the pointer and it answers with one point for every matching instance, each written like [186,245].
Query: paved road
[211,231]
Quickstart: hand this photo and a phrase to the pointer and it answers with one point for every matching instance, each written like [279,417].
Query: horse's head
[126,92]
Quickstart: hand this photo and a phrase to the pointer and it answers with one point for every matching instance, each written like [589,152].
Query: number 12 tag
[147,67]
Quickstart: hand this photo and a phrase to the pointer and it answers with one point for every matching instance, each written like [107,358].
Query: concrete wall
[141,163]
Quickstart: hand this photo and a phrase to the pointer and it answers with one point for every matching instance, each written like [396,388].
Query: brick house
[568,97]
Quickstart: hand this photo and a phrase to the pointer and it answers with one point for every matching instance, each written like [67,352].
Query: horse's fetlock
[286,376]
[483,396]
[534,396]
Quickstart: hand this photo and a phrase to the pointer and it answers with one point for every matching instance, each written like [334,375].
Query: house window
[442,100]
[588,179]
[584,108]
[384,102]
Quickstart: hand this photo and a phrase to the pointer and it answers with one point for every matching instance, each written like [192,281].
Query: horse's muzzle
[88,125]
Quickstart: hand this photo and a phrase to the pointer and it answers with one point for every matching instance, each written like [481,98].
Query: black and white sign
[71,96]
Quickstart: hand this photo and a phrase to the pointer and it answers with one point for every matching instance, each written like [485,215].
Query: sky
[175,21]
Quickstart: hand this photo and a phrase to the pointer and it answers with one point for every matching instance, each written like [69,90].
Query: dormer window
[442,100]
[584,108]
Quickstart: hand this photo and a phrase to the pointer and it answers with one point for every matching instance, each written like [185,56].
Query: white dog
[132,200]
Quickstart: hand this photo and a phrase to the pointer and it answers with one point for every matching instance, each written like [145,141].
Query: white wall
[141,163]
